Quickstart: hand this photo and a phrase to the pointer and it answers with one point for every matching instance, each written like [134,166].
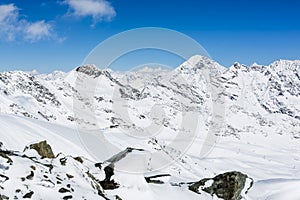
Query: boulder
[43,149]
[228,186]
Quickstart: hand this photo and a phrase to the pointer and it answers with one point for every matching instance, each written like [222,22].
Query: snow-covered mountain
[197,121]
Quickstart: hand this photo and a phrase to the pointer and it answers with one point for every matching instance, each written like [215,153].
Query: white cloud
[13,27]
[8,17]
[98,9]
[7,12]
[38,31]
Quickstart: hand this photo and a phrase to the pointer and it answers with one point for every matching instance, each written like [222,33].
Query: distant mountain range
[242,119]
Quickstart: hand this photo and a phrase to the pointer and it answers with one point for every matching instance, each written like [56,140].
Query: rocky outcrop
[61,174]
[58,175]
[43,149]
[228,186]
[108,183]
[90,70]
[155,179]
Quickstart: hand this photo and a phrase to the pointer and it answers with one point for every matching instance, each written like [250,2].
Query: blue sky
[58,34]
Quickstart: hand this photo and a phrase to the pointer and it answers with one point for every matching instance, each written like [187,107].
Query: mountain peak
[286,65]
[89,69]
[197,62]
[238,66]
[198,59]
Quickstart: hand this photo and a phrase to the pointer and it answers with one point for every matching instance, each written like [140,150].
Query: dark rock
[155,180]
[43,149]
[28,195]
[108,183]
[118,198]
[4,154]
[67,197]
[63,190]
[70,118]
[99,165]
[69,176]
[79,159]
[114,126]
[4,197]
[63,161]
[227,186]
[30,176]
[5,178]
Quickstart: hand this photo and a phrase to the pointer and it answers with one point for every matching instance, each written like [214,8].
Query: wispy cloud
[38,31]
[13,26]
[99,10]
[7,12]
[8,18]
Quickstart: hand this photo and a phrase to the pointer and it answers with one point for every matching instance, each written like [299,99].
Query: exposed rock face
[43,149]
[90,70]
[155,179]
[228,186]
[108,183]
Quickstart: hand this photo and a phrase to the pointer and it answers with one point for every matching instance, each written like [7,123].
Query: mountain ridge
[247,118]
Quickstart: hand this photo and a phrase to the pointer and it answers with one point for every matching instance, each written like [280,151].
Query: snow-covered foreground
[258,134]
[273,162]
